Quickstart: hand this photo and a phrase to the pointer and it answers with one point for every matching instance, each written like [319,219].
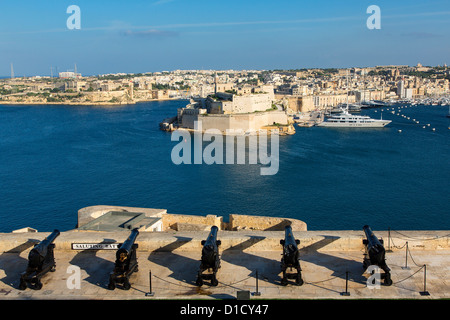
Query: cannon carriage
[41,260]
[210,259]
[126,263]
[291,258]
[375,254]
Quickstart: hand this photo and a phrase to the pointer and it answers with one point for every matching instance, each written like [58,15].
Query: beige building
[367,95]
[246,122]
[307,103]
[160,94]
[75,85]
[227,111]
[322,101]
[223,87]
[228,103]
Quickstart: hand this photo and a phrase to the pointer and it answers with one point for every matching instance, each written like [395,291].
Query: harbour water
[57,159]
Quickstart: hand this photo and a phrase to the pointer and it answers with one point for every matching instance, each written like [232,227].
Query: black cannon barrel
[290,249]
[210,248]
[211,241]
[41,247]
[37,255]
[372,240]
[128,244]
[374,247]
[289,237]
[377,254]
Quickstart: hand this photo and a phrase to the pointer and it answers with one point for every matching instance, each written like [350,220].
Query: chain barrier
[399,281]
[263,277]
[190,286]
[419,239]
[408,253]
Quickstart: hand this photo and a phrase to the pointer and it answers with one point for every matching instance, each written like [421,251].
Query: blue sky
[157,35]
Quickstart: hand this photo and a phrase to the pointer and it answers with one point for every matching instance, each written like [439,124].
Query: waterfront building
[231,111]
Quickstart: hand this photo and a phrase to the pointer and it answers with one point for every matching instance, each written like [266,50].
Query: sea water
[57,159]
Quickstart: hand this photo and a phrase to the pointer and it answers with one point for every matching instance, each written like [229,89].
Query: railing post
[257,293]
[346,293]
[389,240]
[406,258]
[150,293]
[424,292]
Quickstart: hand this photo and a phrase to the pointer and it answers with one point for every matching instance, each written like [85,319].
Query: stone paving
[173,275]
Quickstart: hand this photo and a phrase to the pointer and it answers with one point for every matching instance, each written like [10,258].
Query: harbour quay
[168,263]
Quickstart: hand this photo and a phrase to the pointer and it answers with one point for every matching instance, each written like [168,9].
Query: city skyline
[168,35]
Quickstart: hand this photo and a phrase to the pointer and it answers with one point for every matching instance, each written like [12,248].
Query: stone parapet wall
[239,222]
[236,222]
[187,222]
[190,222]
[249,240]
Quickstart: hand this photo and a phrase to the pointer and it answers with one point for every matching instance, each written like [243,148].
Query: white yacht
[347,120]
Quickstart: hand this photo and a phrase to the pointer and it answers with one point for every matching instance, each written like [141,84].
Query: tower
[12,71]
[131,90]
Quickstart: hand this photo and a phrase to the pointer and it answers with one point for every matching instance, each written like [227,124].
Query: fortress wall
[248,240]
[236,222]
[244,122]
[264,223]
[252,102]
[175,221]
[217,121]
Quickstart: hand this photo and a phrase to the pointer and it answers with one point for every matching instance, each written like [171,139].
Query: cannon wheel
[284,280]
[387,280]
[365,264]
[37,285]
[111,284]
[199,281]
[299,280]
[214,281]
[126,284]
[22,284]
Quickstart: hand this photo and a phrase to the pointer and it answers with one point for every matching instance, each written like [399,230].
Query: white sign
[95,246]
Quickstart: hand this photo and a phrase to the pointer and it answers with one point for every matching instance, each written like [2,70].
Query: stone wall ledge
[248,240]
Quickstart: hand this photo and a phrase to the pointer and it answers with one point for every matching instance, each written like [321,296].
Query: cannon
[41,260]
[125,264]
[375,254]
[210,258]
[291,258]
